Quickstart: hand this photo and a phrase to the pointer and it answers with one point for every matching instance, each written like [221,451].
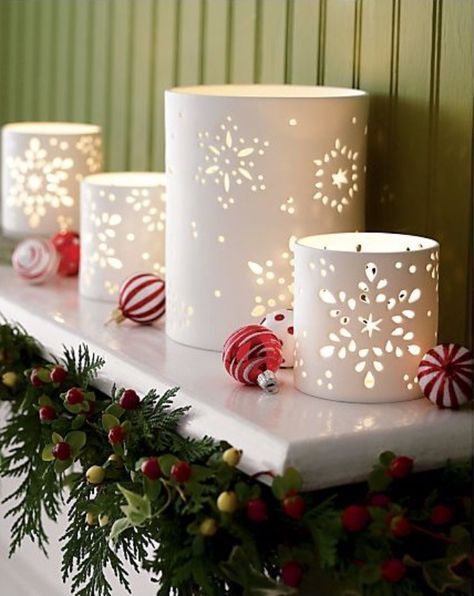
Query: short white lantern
[122,230]
[250,168]
[43,164]
[366,310]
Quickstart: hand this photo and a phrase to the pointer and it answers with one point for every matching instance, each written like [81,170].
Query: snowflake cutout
[340,166]
[182,313]
[230,161]
[277,288]
[153,217]
[90,146]
[37,182]
[357,327]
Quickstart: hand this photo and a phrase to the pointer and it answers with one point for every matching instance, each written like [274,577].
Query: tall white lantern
[366,311]
[43,164]
[251,168]
[122,230]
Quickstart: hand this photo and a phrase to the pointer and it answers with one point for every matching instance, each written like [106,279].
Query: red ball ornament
[355,518]
[35,260]
[141,299]
[445,375]
[400,467]
[68,247]
[252,355]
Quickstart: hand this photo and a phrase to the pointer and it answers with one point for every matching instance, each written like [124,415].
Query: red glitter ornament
[445,375]
[252,355]
[68,247]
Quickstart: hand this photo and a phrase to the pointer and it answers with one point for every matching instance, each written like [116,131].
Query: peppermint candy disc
[35,260]
[251,355]
[445,375]
[141,299]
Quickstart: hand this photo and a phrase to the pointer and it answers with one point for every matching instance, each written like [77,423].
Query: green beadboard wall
[108,61]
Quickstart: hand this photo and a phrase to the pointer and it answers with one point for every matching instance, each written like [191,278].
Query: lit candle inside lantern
[122,230]
[366,310]
[43,164]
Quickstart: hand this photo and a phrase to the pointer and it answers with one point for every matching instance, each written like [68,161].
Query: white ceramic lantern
[122,230]
[250,168]
[43,164]
[366,310]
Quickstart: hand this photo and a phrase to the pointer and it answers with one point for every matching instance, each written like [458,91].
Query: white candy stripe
[142,298]
[140,302]
[35,260]
[134,282]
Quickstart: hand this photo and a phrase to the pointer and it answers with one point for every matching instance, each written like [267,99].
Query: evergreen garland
[140,495]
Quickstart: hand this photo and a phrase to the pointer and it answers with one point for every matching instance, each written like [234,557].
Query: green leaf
[136,502]
[369,573]
[74,409]
[439,576]
[62,466]
[386,458]
[118,527]
[109,421]
[462,542]
[77,439]
[78,422]
[378,480]
[136,518]
[152,488]
[167,462]
[282,485]
[47,453]
[56,438]
[114,410]
[44,400]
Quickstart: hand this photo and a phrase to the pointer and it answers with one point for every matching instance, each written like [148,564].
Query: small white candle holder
[122,230]
[366,310]
[43,164]
[251,168]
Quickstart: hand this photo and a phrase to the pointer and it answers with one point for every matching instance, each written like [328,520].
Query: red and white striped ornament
[141,299]
[252,355]
[445,375]
[35,260]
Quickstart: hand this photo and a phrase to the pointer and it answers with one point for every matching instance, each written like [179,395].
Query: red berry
[151,468]
[294,506]
[400,526]
[35,379]
[400,467]
[292,574]
[355,518]
[181,472]
[116,435]
[441,515]
[47,413]
[74,396]
[62,451]
[57,374]
[393,570]
[129,400]
[379,500]
[257,510]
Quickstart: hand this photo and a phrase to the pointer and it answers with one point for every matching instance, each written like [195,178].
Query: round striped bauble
[141,299]
[35,260]
[445,375]
[251,355]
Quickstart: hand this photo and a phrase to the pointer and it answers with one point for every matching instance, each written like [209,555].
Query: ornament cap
[116,316]
[267,381]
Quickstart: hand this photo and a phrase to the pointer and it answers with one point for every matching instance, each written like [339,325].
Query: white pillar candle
[43,164]
[122,230]
[366,310]
[250,168]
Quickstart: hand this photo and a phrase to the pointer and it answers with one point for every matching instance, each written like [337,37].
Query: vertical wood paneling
[46,23]
[120,87]
[99,85]
[450,204]
[216,39]
[242,42]
[109,61]
[164,72]
[271,42]
[339,42]
[142,48]
[302,60]
[190,48]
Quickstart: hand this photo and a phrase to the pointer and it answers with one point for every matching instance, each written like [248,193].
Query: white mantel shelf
[330,443]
